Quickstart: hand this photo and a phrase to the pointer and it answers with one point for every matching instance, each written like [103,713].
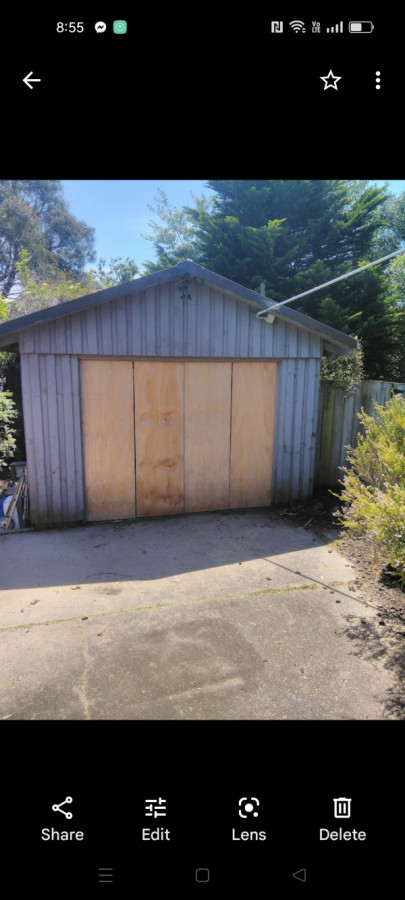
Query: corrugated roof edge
[9,330]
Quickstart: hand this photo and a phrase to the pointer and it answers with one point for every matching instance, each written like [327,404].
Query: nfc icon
[277,27]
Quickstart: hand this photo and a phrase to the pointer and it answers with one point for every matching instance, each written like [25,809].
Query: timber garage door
[164,437]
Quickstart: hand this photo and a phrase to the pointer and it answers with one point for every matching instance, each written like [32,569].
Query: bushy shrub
[347,370]
[8,413]
[374,483]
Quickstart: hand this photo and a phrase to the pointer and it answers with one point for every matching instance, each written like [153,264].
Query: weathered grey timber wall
[165,321]
[162,321]
[338,423]
[51,400]
[295,433]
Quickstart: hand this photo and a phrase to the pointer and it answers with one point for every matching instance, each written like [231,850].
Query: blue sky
[118,210]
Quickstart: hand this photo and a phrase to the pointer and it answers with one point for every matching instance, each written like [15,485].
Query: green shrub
[374,483]
[347,370]
[8,413]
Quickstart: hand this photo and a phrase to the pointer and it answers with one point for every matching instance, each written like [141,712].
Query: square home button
[202,874]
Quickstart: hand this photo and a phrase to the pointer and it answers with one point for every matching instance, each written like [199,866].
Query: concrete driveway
[208,616]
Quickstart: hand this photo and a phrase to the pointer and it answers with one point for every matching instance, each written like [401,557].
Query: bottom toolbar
[208,809]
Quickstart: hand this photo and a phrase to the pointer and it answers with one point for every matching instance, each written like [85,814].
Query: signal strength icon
[297,25]
[335,29]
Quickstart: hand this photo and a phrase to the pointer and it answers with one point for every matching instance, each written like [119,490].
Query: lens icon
[119,26]
[100,27]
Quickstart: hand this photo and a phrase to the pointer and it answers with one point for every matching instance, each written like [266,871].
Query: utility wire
[270,309]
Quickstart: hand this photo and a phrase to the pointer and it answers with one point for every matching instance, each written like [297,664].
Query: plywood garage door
[182,427]
[108,439]
[165,437]
[159,427]
[252,432]
[207,402]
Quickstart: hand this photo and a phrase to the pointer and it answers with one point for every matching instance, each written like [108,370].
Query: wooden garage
[168,395]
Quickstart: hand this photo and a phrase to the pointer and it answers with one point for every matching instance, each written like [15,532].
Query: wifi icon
[296,25]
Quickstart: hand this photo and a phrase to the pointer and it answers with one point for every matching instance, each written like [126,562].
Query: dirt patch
[373,577]
[384,639]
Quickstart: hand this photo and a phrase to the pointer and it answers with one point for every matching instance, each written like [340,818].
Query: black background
[181,94]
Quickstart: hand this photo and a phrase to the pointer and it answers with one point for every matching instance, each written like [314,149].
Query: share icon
[57,808]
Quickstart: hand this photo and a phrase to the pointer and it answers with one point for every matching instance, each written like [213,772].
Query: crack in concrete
[81,685]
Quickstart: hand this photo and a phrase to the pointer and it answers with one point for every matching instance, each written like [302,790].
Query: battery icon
[361,27]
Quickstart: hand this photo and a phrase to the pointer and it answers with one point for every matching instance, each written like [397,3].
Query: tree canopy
[34,217]
[295,235]
[290,234]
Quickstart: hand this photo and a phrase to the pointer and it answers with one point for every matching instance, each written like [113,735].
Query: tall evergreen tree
[291,234]
[296,235]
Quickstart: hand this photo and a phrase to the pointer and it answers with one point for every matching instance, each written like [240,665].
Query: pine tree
[295,235]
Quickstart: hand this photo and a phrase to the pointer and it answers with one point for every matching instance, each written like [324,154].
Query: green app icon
[119,26]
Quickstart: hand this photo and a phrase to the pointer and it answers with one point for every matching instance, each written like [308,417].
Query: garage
[176,436]
[168,395]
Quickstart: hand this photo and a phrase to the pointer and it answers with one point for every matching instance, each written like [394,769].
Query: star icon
[330,80]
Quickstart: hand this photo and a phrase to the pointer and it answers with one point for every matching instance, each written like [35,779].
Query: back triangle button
[301,875]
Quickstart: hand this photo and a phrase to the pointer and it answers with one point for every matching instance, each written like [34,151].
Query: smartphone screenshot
[201,584]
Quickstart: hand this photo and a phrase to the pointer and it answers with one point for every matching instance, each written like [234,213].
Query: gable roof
[337,340]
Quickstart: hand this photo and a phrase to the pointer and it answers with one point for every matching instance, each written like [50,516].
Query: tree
[118,271]
[295,235]
[34,216]
[37,293]
[3,310]
[174,238]
[290,234]
[392,233]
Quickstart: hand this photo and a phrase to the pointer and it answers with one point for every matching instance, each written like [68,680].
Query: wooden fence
[338,423]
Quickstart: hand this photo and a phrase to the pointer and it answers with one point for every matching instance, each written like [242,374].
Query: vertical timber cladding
[252,434]
[108,439]
[201,437]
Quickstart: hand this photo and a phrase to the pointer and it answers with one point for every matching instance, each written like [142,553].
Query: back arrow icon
[301,875]
[27,80]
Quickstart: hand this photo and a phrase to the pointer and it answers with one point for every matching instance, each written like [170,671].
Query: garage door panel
[253,396]
[207,435]
[108,439]
[159,423]
[167,437]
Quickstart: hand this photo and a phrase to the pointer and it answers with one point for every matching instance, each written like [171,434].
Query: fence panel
[338,423]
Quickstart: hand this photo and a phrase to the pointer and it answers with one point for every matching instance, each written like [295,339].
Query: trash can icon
[342,807]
